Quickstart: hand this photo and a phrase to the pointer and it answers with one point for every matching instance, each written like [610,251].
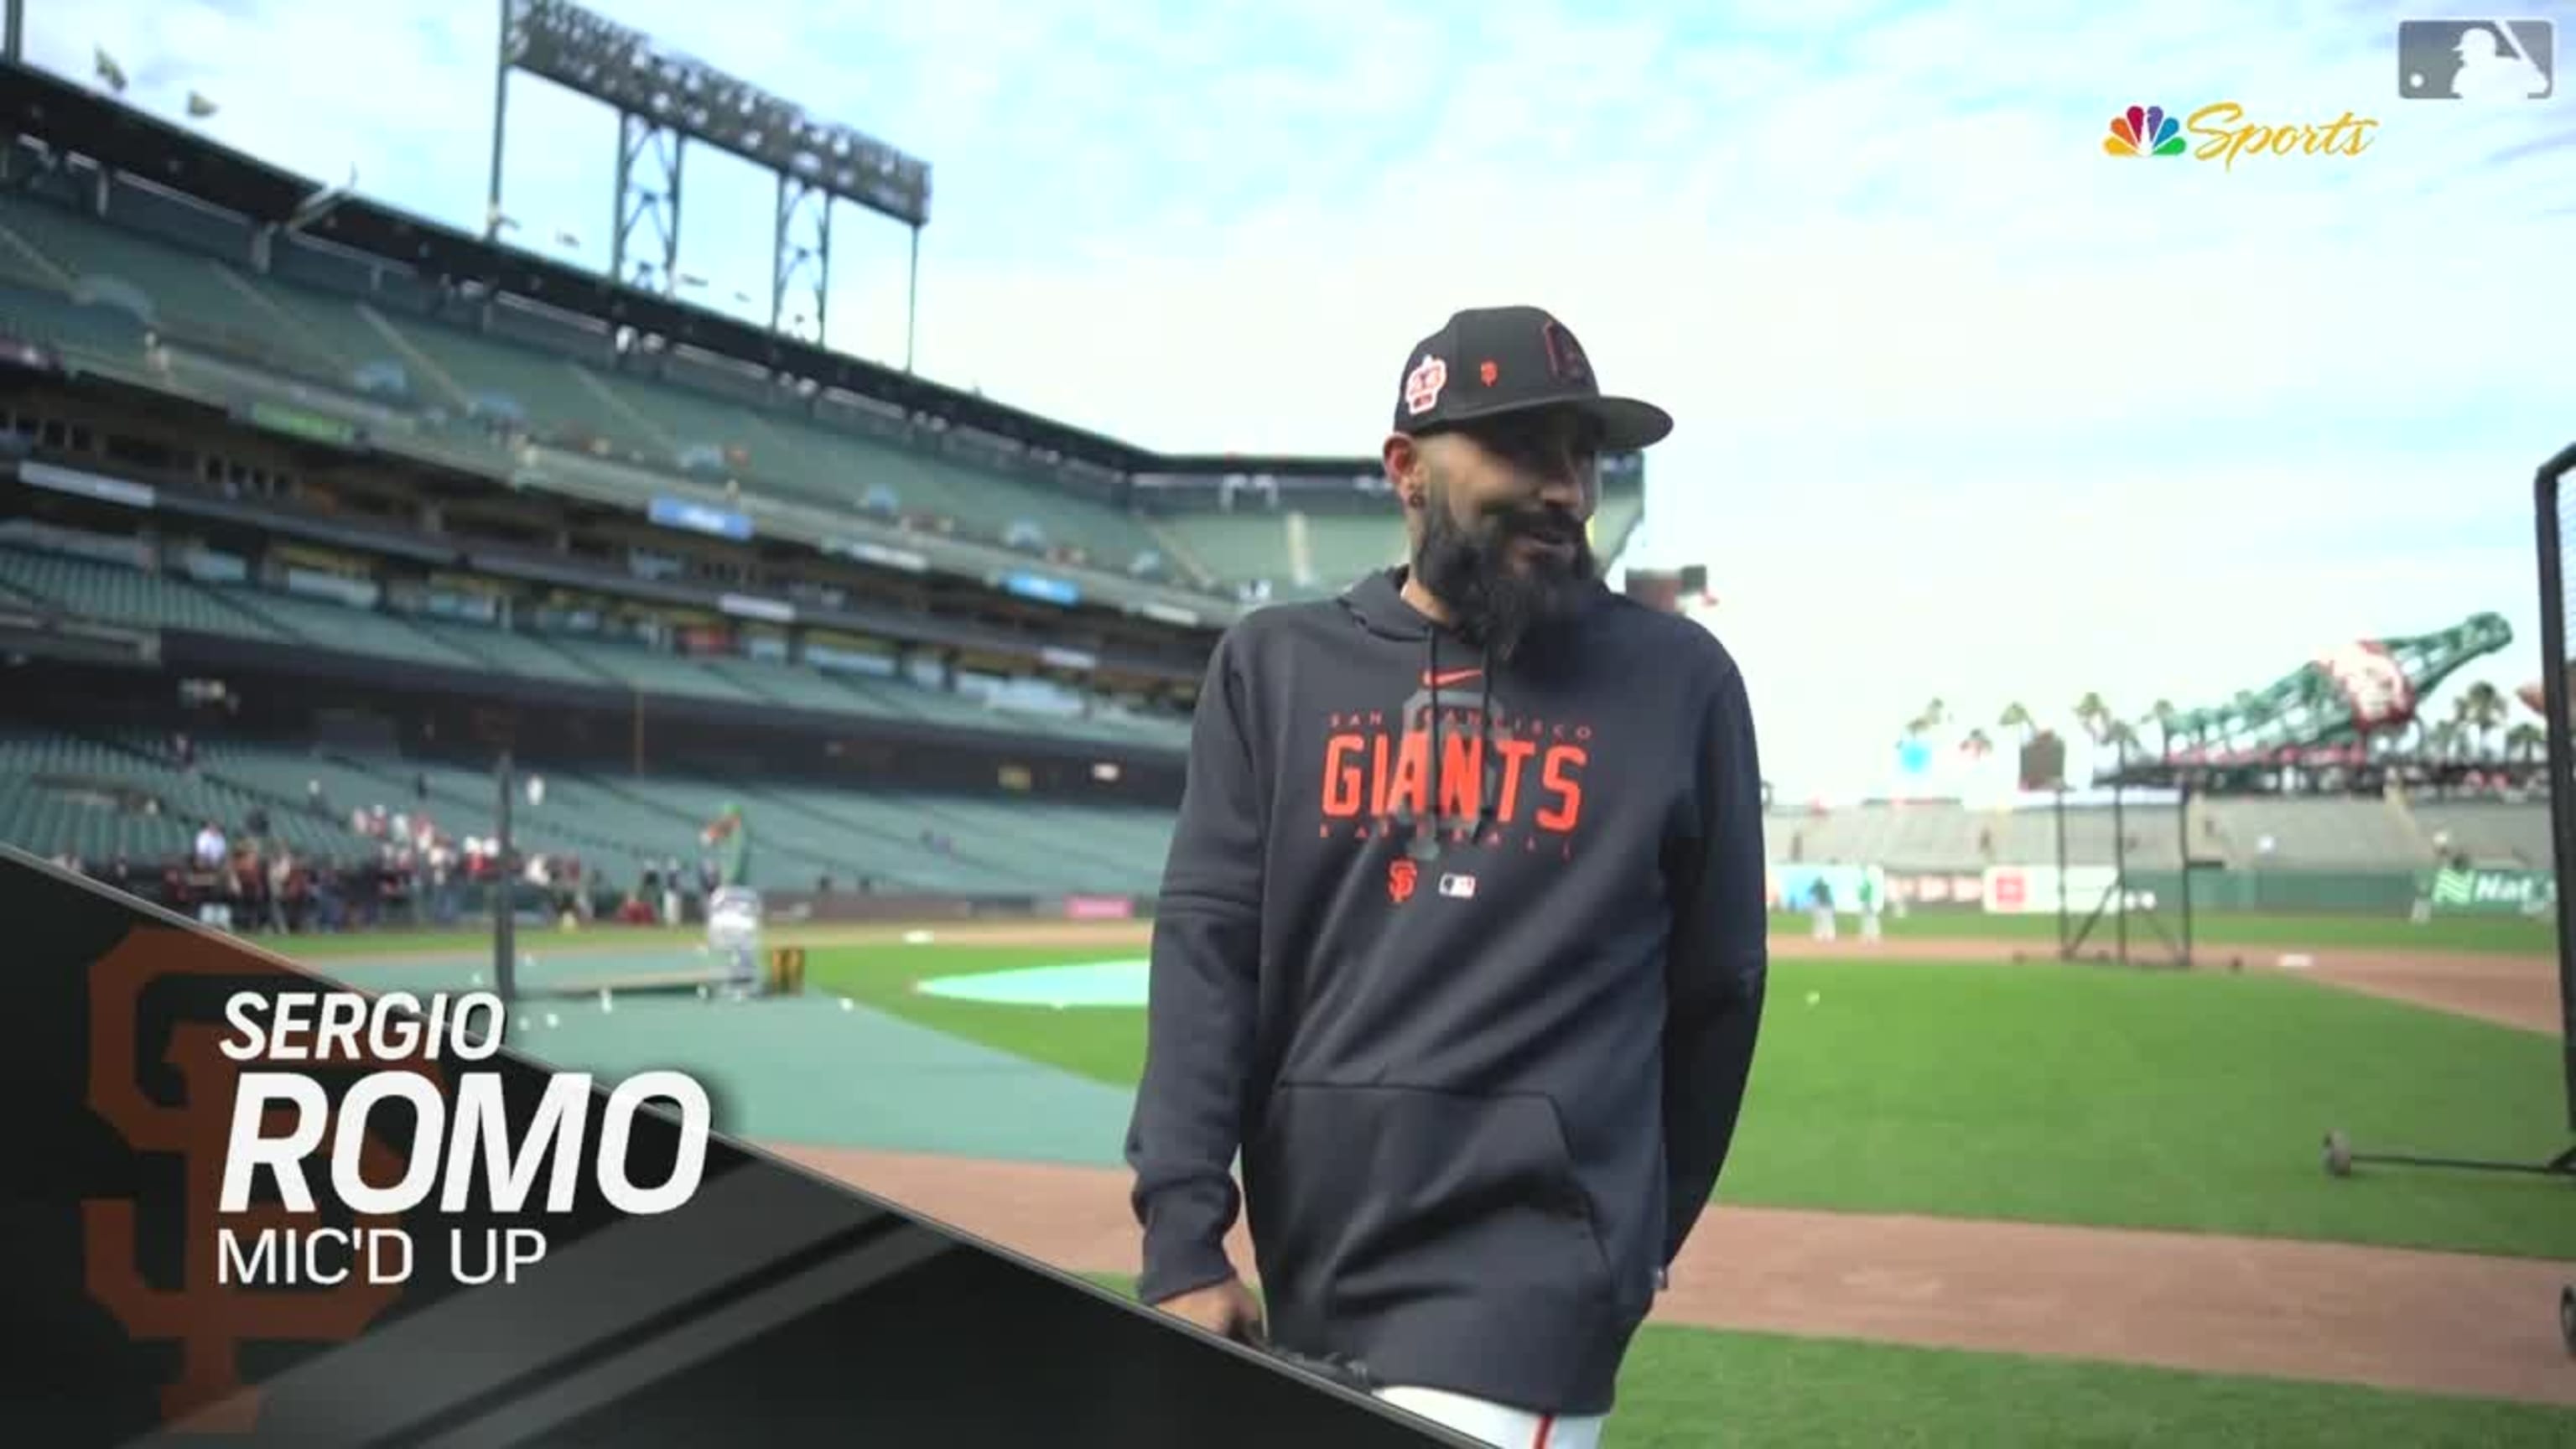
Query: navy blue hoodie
[1480,1095]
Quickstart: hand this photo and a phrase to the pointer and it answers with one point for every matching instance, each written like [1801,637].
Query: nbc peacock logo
[2144,131]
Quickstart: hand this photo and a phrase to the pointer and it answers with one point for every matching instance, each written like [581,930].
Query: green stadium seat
[121,594]
[186,293]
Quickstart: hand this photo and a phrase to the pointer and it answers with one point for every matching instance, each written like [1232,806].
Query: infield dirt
[2390,1318]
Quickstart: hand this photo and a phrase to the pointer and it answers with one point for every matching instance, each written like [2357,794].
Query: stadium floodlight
[663,100]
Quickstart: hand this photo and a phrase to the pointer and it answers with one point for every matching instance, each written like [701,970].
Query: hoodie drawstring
[1427,842]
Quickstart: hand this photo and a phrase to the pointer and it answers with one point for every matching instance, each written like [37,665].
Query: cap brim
[1626,423]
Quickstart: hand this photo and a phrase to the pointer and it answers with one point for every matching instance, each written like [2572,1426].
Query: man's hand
[1227,1309]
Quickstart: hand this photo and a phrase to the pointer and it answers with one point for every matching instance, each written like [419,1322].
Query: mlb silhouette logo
[1458,887]
[2477,60]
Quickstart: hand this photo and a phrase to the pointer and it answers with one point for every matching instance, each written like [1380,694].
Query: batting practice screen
[2553,509]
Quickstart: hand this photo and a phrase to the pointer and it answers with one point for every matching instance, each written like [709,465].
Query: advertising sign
[2492,892]
[2034,890]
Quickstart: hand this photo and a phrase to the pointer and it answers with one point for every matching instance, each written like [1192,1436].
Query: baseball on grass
[1814,996]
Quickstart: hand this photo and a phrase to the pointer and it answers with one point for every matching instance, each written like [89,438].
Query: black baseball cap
[1488,362]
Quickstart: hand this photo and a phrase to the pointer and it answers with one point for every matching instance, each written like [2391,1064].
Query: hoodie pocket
[1363,1197]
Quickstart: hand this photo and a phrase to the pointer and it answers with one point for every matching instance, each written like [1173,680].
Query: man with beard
[1460,944]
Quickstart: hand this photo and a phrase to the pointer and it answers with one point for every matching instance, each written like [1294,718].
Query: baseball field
[1981,1195]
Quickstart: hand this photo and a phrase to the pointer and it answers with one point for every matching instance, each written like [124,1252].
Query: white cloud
[1967,407]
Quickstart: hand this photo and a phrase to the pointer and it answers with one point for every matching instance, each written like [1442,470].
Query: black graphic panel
[772,1306]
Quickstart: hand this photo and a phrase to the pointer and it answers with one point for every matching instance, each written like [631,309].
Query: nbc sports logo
[2226,136]
[2144,131]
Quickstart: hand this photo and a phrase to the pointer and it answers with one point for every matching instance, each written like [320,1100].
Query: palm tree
[2526,741]
[2017,716]
[2444,738]
[2117,734]
[2093,714]
[2482,709]
[2161,714]
[1977,745]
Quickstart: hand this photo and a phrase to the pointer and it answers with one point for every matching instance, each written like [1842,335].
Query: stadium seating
[2316,834]
[1304,554]
[573,395]
[364,354]
[336,625]
[185,291]
[2499,834]
[93,331]
[1339,548]
[2091,836]
[118,594]
[123,593]
[101,798]
[2291,834]
[123,793]
[383,349]
[501,380]
[506,651]
[1237,547]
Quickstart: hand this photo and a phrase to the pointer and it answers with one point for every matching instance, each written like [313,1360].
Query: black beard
[1470,569]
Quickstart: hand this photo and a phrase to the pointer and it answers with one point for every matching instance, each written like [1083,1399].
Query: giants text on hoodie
[1465,959]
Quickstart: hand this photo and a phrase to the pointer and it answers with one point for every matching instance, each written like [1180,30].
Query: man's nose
[1562,487]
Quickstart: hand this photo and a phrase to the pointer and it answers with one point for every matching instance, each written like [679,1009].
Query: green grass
[2508,934]
[2079,1095]
[2511,935]
[1105,1044]
[1694,1387]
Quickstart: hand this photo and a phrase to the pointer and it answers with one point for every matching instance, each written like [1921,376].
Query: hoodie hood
[1376,603]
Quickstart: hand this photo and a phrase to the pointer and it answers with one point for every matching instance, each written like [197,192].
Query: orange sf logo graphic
[208,1318]
[1400,876]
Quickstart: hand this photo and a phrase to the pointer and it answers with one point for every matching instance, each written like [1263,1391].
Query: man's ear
[1403,458]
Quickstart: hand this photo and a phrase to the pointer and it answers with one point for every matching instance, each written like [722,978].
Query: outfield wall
[2020,889]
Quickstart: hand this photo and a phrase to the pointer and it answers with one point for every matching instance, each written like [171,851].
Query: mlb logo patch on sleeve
[1458,886]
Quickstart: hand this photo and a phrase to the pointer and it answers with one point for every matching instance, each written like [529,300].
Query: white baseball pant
[1498,1424]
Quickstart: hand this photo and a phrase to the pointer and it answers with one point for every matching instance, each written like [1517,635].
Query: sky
[1967,409]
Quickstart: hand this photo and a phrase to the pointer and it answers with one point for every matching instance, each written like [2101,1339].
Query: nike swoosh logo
[1454,676]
